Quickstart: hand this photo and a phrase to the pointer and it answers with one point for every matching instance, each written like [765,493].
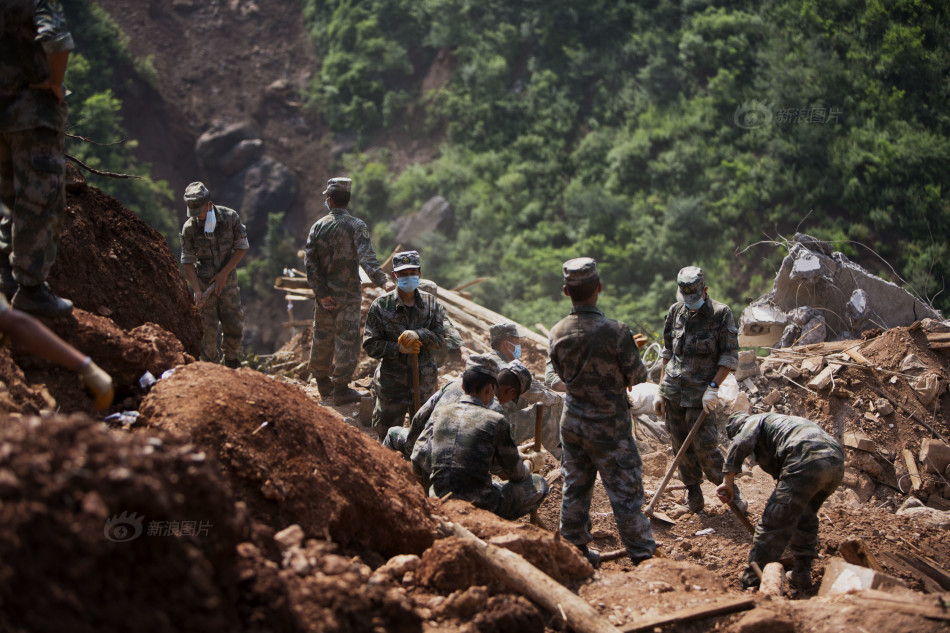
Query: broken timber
[876,599]
[696,613]
[855,551]
[530,581]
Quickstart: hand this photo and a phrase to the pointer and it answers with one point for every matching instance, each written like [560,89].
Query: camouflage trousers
[791,514]
[619,465]
[335,349]
[32,187]
[388,413]
[222,319]
[703,454]
[513,499]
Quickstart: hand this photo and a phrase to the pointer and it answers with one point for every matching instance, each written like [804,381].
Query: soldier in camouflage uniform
[337,246]
[701,347]
[597,359]
[213,241]
[505,339]
[808,466]
[513,379]
[34,53]
[454,350]
[403,322]
[468,438]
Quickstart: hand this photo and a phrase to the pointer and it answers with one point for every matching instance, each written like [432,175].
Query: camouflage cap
[406,259]
[338,184]
[500,332]
[427,285]
[690,284]
[196,197]
[735,422]
[521,372]
[487,364]
[579,270]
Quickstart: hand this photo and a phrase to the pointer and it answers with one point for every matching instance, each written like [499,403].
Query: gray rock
[239,156]
[435,215]
[219,139]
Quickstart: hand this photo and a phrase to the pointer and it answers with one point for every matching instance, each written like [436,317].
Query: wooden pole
[538,426]
[416,405]
[530,581]
[676,462]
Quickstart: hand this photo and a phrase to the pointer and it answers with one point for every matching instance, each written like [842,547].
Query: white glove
[659,406]
[536,458]
[710,398]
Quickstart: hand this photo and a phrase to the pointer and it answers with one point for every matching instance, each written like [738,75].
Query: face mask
[408,284]
[697,305]
[326,204]
[517,352]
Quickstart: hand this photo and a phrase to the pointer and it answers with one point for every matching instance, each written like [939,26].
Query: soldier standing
[213,241]
[34,53]
[808,466]
[400,324]
[701,347]
[468,439]
[337,246]
[597,359]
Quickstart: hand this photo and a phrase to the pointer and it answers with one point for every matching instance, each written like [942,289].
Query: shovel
[669,473]
[538,417]
[205,295]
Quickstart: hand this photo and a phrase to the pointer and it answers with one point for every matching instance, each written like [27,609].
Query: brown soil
[304,466]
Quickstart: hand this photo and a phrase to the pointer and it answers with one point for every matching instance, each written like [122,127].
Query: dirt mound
[111,263]
[304,466]
[102,530]
[449,565]
[126,356]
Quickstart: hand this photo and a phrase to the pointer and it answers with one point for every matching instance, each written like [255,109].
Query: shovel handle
[538,425]
[414,359]
[676,462]
[743,519]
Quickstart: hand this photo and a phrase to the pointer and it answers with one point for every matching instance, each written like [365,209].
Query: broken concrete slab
[748,367]
[812,275]
[740,404]
[934,456]
[842,577]
[812,364]
[860,441]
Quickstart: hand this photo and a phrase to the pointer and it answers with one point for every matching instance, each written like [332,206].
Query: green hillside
[649,135]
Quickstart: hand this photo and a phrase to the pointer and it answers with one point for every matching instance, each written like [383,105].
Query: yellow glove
[640,340]
[536,458]
[409,342]
[98,382]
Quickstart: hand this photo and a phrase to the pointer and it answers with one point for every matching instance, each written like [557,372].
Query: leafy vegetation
[649,135]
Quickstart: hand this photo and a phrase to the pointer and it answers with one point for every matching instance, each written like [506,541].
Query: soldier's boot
[739,502]
[233,363]
[325,385]
[343,394]
[41,300]
[800,576]
[8,284]
[694,498]
[592,555]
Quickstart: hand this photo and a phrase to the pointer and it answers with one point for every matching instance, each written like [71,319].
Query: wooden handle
[414,358]
[538,424]
[743,519]
[676,462]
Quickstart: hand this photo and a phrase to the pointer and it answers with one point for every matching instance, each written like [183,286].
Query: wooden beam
[938,337]
[899,564]
[876,599]
[855,551]
[477,280]
[488,316]
[912,468]
[696,613]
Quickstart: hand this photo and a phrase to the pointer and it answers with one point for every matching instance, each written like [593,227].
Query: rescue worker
[808,465]
[402,323]
[597,359]
[213,242]
[468,438]
[337,246]
[701,347]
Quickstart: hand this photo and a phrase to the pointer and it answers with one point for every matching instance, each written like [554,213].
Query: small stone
[289,537]
[883,406]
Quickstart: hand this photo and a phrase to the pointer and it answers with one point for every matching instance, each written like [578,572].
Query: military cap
[579,270]
[406,259]
[487,364]
[690,284]
[498,333]
[735,422]
[521,372]
[338,184]
[196,197]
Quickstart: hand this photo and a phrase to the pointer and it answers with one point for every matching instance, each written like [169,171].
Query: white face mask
[210,222]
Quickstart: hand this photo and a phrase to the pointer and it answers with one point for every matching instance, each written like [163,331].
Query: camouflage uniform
[551,379]
[467,438]
[389,317]
[209,255]
[598,359]
[337,246]
[452,350]
[808,465]
[32,137]
[695,345]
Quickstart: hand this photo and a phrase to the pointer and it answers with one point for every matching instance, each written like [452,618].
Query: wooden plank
[857,356]
[934,572]
[900,565]
[855,551]
[488,316]
[938,337]
[695,613]
[943,347]
[477,280]
[912,468]
[876,599]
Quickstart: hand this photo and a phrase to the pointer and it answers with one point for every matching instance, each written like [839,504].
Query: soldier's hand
[389,286]
[535,458]
[408,335]
[725,493]
[99,383]
[328,303]
[411,347]
[640,340]
[659,405]
[710,398]
[219,281]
